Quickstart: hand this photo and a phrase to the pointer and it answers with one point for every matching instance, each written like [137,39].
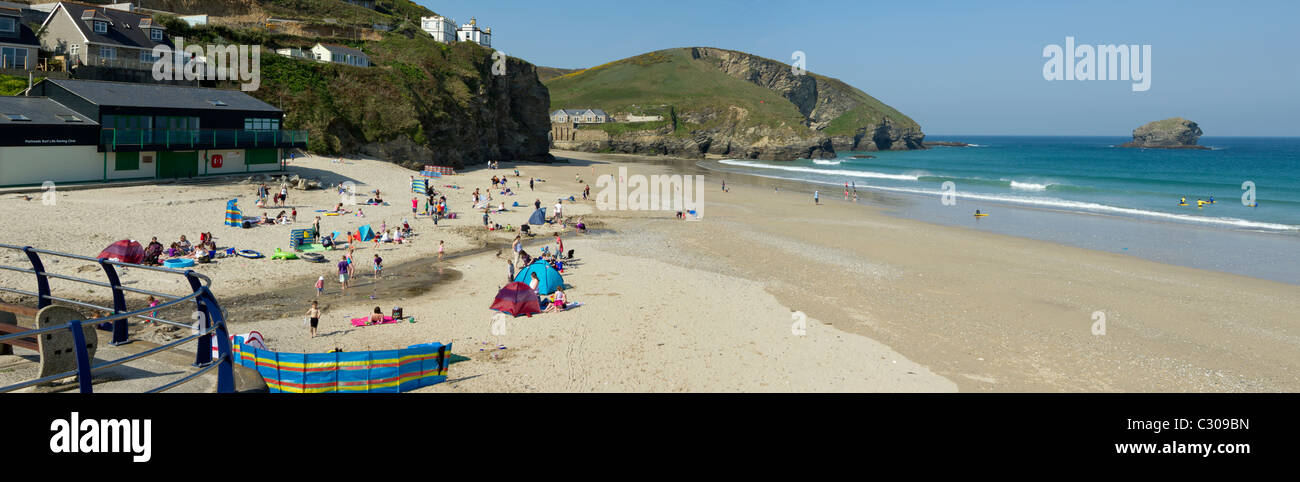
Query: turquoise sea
[1086,192]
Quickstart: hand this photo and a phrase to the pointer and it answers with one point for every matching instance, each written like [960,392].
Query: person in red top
[415,204]
[559,253]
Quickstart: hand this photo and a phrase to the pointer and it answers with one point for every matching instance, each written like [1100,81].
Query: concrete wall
[26,165]
[232,162]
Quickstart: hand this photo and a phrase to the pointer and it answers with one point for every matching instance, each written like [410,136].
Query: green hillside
[651,83]
[731,103]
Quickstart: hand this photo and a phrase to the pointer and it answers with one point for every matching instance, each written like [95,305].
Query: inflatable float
[175,263]
[980,215]
[313,257]
[248,253]
[283,254]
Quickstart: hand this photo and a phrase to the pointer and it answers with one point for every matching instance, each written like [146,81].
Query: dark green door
[174,165]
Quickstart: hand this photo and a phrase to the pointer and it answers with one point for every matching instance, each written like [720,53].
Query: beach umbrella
[548,279]
[538,217]
[516,299]
[126,251]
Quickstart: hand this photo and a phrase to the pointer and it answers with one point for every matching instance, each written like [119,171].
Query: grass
[12,84]
[671,80]
[670,77]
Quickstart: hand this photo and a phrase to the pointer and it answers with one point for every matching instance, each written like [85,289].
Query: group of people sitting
[284,217]
[202,252]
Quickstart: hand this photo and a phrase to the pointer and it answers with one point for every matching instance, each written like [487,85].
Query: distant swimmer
[816,198]
[1211,199]
[978,214]
[1199,203]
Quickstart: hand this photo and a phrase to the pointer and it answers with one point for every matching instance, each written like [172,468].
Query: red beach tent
[517,299]
[126,251]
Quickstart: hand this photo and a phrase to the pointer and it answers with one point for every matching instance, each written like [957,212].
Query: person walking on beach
[530,184]
[440,249]
[816,198]
[345,271]
[313,314]
[320,286]
[379,265]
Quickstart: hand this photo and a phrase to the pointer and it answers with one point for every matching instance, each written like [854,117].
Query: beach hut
[516,299]
[548,279]
[538,217]
[233,216]
[126,251]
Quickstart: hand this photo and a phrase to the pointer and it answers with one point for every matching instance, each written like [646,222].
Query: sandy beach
[892,305]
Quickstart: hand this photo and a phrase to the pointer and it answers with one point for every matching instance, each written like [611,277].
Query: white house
[442,29]
[471,33]
[340,55]
[580,116]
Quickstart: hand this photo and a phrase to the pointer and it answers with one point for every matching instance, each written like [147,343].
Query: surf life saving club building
[69,131]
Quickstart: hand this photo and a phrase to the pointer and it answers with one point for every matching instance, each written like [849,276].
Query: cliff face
[422,104]
[1171,133]
[749,107]
[505,119]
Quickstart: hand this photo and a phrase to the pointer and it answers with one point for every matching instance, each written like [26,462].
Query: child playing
[440,250]
[379,265]
[320,286]
[314,314]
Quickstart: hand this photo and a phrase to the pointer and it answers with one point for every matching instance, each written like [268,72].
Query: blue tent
[538,217]
[548,279]
[366,233]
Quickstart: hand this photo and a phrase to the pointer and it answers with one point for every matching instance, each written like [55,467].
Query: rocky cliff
[421,102]
[732,104]
[1171,133]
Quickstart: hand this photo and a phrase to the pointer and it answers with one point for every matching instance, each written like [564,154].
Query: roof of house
[127,94]
[38,110]
[24,35]
[339,49]
[582,111]
[124,28]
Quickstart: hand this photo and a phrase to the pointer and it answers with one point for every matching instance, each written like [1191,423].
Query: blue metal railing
[201,295]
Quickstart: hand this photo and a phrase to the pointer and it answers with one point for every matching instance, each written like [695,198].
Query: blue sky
[957,67]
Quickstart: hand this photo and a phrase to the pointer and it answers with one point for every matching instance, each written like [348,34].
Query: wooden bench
[28,342]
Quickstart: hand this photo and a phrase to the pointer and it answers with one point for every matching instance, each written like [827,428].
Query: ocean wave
[1028,186]
[826,162]
[1055,203]
[825,172]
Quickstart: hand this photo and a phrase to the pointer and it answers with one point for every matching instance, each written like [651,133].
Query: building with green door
[155,131]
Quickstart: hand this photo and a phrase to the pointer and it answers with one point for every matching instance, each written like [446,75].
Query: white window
[8,25]
[109,53]
[73,49]
[101,27]
[156,34]
[147,57]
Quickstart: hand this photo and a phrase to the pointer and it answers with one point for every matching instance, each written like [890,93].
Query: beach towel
[366,320]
